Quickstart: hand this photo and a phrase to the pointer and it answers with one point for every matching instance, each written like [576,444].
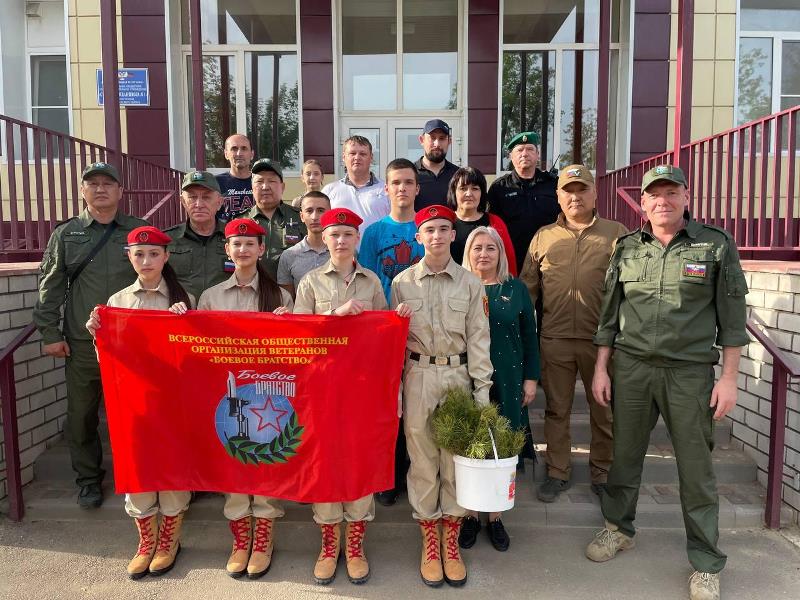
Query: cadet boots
[607,543]
[261,557]
[430,568]
[139,564]
[169,544]
[357,565]
[455,571]
[240,554]
[325,569]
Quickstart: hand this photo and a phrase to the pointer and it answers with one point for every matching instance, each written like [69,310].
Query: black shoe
[90,496]
[498,535]
[470,527]
[387,497]
[598,489]
[551,488]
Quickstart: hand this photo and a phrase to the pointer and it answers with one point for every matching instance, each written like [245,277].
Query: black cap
[101,168]
[265,164]
[434,124]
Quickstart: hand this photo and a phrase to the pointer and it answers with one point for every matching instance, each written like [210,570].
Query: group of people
[437,246]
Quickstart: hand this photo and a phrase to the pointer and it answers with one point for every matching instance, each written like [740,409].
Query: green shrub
[461,426]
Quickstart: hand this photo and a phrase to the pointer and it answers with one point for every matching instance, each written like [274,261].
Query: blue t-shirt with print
[389,248]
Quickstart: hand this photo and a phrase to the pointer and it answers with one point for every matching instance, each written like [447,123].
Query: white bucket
[486,485]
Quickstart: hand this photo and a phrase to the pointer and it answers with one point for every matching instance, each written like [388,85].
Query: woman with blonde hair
[514,350]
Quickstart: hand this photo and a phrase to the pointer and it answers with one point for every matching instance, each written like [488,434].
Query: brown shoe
[240,554]
[357,565]
[261,557]
[140,562]
[325,569]
[455,571]
[430,568]
[169,544]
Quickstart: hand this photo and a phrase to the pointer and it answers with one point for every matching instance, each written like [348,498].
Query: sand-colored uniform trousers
[229,295]
[147,504]
[448,322]
[322,291]
[561,360]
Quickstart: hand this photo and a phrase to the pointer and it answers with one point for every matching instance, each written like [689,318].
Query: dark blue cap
[436,124]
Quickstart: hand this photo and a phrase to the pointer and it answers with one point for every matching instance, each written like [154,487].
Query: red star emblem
[264,420]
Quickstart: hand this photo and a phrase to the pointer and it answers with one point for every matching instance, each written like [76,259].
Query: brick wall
[41,391]
[775,298]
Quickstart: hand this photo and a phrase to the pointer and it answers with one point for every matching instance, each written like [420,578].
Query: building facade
[300,76]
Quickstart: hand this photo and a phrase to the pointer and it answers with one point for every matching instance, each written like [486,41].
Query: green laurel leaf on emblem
[279,450]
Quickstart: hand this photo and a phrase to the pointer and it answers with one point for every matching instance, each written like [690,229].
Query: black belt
[441,361]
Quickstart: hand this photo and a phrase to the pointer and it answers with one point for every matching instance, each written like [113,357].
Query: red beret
[244,227]
[340,216]
[148,235]
[437,211]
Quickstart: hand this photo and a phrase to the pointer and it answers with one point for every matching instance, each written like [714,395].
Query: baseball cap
[265,164]
[101,168]
[434,124]
[664,173]
[201,178]
[574,173]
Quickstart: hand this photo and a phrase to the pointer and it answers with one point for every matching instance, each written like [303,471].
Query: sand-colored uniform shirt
[136,296]
[449,318]
[229,295]
[323,290]
[567,268]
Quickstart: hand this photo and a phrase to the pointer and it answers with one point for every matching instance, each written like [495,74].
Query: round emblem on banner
[341,217]
[143,236]
[242,228]
[433,212]
[257,426]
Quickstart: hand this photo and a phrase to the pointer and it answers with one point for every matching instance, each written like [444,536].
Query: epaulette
[176,227]
[64,222]
[724,232]
[627,235]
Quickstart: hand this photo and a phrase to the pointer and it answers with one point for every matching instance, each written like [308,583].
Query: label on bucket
[512,485]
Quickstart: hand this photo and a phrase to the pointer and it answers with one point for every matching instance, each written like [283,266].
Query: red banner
[298,407]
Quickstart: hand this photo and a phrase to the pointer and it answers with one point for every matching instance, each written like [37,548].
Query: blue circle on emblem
[255,415]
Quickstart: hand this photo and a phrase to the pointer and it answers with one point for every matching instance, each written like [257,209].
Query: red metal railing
[743,180]
[783,367]
[39,186]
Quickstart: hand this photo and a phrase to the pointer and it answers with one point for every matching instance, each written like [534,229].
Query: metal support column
[683,85]
[108,38]
[602,92]
[197,85]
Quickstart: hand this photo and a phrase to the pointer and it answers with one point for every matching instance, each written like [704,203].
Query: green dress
[514,347]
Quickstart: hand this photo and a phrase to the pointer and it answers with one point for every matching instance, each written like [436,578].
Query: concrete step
[581,433]
[741,506]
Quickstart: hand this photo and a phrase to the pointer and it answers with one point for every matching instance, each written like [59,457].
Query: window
[549,78]
[49,101]
[424,35]
[769,58]
[250,78]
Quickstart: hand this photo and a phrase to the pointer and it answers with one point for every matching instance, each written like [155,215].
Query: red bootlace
[262,534]
[146,539]
[431,540]
[241,533]
[166,532]
[355,539]
[329,541]
[452,527]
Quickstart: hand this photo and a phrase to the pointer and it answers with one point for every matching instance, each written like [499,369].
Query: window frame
[238,51]
[559,49]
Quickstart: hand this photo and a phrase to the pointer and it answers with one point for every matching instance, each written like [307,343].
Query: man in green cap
[83,265]
[279,219]
[674,294]
[197,252]
[525,198]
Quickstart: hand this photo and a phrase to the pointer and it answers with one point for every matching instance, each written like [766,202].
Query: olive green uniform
[284,229]
[107,273]
[665,312]
[199,261]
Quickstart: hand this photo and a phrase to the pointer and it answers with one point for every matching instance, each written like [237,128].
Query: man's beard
[436,158]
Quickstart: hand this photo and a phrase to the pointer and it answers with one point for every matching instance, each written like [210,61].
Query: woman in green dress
[514,351]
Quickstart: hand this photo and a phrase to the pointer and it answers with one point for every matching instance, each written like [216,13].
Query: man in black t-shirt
[236,185]
[433,167]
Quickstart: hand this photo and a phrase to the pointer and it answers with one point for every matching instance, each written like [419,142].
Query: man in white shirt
[360,190]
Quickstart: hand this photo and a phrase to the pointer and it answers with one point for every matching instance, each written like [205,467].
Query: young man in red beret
[448,345]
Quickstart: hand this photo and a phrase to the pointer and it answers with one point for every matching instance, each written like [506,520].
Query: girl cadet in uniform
[514,350]
[156,288]
[251,289]
[341,287]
